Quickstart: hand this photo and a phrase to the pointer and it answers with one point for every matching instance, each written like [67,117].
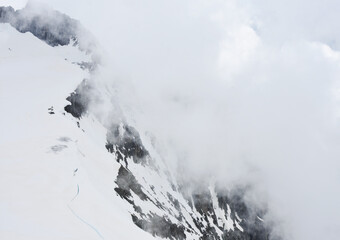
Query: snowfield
[45,158]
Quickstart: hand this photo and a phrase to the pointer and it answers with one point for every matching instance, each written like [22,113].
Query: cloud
[245,91]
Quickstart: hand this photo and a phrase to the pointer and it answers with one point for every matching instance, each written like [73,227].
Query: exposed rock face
[79,100]
[124,141]
[160,226]
[209,213]
[209,220]
[53,28]
[50,26]
[126,183]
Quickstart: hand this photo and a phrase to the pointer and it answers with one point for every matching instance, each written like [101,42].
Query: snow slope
[39,152]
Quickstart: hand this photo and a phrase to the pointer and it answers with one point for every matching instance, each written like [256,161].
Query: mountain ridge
[156,202]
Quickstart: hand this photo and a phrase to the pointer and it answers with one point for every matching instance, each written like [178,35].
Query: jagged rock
[90,66]
[54,28]
[79,100]
[126,182]
[6,14]
[160,226]
[124,141]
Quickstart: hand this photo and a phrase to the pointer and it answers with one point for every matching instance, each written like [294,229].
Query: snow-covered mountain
[69,172]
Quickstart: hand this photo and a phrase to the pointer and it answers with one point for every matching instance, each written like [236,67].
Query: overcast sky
[247,91]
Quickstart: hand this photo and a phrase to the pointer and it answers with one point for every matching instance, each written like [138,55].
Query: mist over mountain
[182,120]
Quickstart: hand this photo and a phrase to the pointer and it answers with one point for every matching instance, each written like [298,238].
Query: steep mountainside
[70,174]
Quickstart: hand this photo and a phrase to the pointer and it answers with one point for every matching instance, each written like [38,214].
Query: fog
[245,91]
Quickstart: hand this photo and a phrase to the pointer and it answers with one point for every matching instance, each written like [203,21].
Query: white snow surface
[46,159]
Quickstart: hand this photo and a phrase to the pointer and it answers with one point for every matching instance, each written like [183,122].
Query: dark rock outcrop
[50,26]
[124,141]
[160,226]
[127,182]
[53,27]
[79,100]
